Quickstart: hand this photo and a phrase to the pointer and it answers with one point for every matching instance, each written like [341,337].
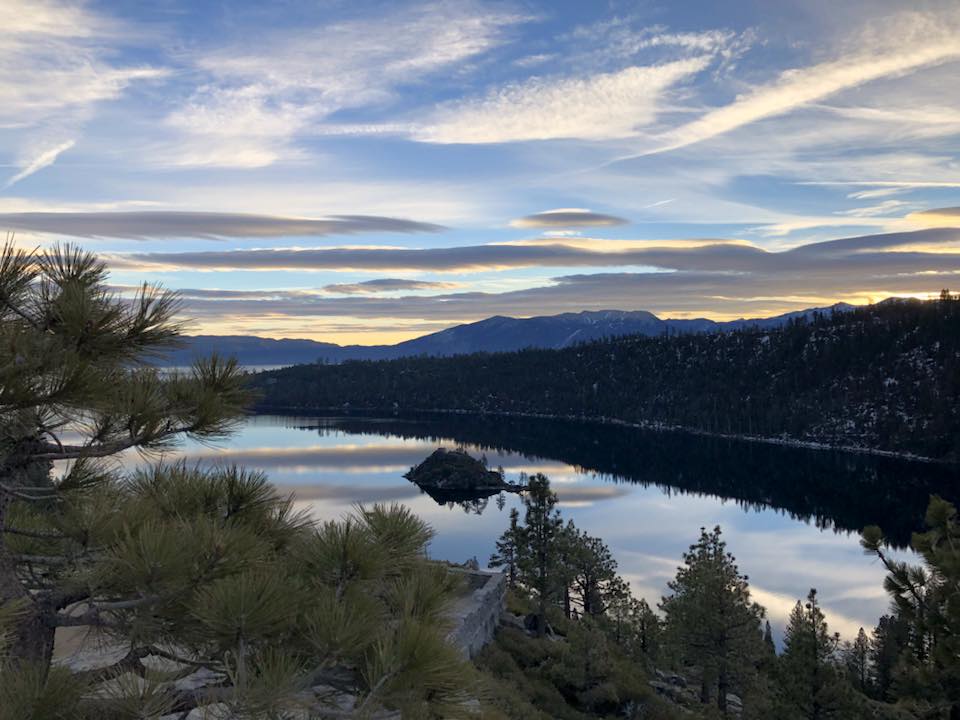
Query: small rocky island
[456,476]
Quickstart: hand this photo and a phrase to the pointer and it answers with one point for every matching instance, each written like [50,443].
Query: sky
[363,172]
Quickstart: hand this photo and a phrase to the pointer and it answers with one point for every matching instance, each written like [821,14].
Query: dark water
[791,516]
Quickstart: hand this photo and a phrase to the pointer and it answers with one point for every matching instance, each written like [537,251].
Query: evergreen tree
[73,361]
[890,640]
[537,560]
[711,618]
[856,659]
[591,673]
[812,688]
[567,548]
[927,603]
[593,574]
[203,570]
[768,643]
[508,549]
[635,627]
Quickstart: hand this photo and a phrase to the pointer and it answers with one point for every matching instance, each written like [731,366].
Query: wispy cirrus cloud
[567,218]
[603,106]
[262,95]
[39,161]
[56,65]
[898,46]
[53,59]
[142,225]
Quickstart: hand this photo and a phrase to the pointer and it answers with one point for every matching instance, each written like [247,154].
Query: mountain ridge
[884,378]
[498,333]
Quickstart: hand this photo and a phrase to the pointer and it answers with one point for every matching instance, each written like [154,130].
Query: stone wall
[477,613]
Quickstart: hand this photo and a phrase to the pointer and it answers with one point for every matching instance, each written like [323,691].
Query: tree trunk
[34,629]
[723,685]
[541,615]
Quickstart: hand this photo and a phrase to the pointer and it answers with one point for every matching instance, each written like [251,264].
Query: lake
[790,515]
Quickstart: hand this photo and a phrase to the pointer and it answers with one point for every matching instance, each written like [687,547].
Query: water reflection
[844,491]
[645,493]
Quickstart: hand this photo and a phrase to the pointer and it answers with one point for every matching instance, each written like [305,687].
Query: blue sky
[368,172]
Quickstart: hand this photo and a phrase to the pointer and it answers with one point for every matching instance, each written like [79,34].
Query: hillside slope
[884,377]
[495,334]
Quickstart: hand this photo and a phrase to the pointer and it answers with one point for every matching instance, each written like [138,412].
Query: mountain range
[495,334]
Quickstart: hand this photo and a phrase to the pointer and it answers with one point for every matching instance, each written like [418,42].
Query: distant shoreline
[644,425]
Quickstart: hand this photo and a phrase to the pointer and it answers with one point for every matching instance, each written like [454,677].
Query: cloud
[263,93]
[567,217]
[917,40]
[597,107]
[718,257]
[343,458]
[52,61]
[623,39]
[44,159]
[719,280]
[937,217]
[886,184]
[170,224]
[382,285]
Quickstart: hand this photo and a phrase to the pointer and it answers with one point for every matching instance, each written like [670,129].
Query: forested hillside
[885,377]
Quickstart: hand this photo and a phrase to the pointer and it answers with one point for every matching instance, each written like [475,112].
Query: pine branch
[29,497]
[75,452]
[889,565]
[39,534]
[92,616]
[53,560]
[131,662]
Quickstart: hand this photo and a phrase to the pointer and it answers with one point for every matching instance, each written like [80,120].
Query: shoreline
[643,425]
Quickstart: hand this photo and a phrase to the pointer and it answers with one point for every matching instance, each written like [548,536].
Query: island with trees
[455,476]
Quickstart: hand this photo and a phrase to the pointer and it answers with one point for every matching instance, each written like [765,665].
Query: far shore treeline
[882,377]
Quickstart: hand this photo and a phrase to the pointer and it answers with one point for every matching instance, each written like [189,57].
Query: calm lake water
[790,516]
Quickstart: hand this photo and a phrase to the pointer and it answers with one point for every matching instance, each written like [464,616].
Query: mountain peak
[498,333]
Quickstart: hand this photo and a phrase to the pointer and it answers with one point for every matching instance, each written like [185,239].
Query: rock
[670,692]
[530,624]
[671,678]
[508,619]
[734,704]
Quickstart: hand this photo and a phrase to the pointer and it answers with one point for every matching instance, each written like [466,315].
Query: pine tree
[768,643]
[206,570]
[889,643]
[812,687]
[593,574]
[508,549]
[635,627]
[73,360]
[856,658]
[537,560]
[927,605]
[711,618]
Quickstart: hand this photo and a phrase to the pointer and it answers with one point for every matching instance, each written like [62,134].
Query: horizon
[532,317]
[369,173]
